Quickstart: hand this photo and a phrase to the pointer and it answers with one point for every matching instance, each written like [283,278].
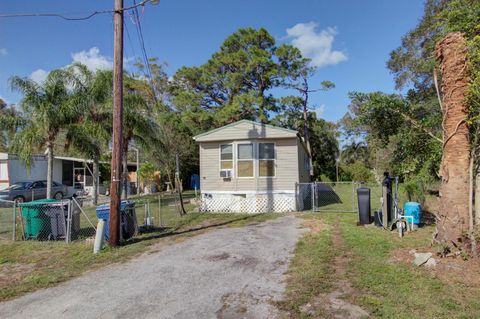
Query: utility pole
[115,185]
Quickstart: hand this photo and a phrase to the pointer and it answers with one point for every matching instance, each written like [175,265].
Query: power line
[62,16]
[130,39]
[142,46]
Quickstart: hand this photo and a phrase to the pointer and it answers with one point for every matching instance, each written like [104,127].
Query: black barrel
[363,195]
[377,217]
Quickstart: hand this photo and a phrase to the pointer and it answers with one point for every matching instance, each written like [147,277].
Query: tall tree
[49,108]
[453,219]
[236,82]
[323,135]
[91,132]
[414,65]
[139,126]
[10,122]
[300,83]
[355,151]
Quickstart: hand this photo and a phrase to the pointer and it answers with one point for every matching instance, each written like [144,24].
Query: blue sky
[349,40]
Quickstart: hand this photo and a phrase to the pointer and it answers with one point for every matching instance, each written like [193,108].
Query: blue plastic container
[103,212]
[412,209]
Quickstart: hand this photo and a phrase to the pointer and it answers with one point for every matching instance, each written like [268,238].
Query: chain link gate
[333,196]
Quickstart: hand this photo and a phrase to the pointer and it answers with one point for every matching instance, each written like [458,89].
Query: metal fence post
[313,196]
[14,234]
[353,197]
[160,220]
[297,193]
[69,222]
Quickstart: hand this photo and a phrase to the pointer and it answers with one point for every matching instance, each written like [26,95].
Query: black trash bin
[363,195]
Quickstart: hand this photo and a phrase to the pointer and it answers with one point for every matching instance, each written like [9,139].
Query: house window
[226,156]
[266,159]
[245,160]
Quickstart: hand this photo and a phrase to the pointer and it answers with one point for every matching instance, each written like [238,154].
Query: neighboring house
[251,167]
[76,173]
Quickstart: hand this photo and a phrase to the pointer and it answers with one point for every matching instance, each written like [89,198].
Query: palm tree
[139,126]
[48,108]
[90,134]
[355,151]
[10,122]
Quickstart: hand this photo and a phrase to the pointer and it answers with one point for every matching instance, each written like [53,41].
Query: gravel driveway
[225,273]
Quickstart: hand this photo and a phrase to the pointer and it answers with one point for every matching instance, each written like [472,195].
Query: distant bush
[356,171]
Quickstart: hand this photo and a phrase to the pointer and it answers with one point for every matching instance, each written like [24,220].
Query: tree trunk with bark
[49,169]
[307,144]
[453,217]
[477,201]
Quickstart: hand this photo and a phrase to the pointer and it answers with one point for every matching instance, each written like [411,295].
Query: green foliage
[235,83]
[48,108]
[356,171]
[413,61]
[386,121]
[323,136]
[93,92]
[10,122]
[147,172]
[355,151]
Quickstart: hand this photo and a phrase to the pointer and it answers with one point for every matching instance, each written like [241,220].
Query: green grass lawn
[29,265]
[342,197]
[386,288]
[6,221]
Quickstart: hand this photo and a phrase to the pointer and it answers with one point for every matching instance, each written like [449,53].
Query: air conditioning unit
[226,173]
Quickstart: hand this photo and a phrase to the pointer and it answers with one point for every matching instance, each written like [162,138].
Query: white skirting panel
[250,203]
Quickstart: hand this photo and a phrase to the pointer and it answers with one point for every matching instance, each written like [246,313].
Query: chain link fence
[75,219]
[304,196]
[334,196]
[8,223]
[45,220]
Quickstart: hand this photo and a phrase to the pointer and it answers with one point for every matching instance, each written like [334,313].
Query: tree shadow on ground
[162,232]
[325,195]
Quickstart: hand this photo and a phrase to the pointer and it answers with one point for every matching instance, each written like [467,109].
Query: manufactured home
[251,167]
[75,173]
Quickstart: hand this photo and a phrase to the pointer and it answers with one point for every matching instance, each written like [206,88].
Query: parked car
[30,190]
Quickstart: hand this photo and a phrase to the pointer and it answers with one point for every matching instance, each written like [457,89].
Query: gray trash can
[57,213]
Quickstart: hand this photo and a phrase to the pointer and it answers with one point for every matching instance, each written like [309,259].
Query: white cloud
[319,111]
[39,75]
[3,51]
[93,59]
[316,45]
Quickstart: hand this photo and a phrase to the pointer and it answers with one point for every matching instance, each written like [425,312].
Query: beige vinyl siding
[302,157]
[286,170]
[246,130]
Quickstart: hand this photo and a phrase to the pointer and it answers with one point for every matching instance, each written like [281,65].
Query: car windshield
[19,185]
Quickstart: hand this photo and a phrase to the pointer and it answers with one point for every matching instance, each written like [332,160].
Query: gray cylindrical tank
[363,195]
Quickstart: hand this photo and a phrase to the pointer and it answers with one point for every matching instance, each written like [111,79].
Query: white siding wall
[304,176]
[17,171]
[286,169]
[3,174]
[246,130]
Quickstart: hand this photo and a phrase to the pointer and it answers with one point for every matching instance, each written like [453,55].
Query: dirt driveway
[226,273]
